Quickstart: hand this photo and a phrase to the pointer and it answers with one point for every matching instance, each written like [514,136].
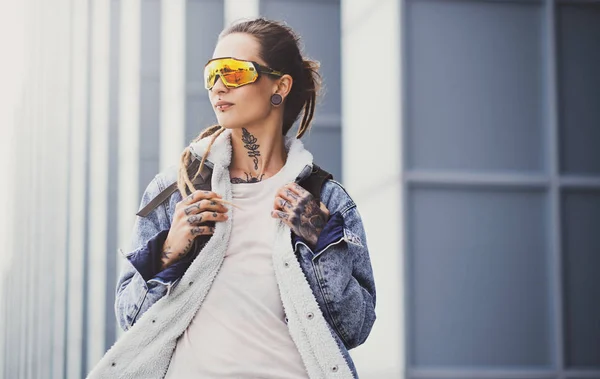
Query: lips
[223,105]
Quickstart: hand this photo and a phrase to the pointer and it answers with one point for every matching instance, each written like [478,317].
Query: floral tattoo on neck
[250,143]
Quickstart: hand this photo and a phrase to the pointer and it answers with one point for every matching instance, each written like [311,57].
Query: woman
[254,278]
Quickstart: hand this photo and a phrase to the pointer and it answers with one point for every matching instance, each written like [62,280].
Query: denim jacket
[328,293]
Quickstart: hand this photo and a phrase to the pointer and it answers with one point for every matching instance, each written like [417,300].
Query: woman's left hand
[298,208]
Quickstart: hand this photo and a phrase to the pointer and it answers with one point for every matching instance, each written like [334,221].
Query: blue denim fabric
[340,275]
[338,270]
[147,261]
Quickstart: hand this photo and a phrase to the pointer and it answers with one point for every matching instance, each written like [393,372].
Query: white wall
[371,140]
[238,9]
[172,93]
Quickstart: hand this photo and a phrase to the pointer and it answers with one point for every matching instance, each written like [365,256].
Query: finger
[212,205]
[202,230]
[205,205]
[283,216]
[289,195]
[192,209]
[324,208]
[282,204]
[202,217]
[297,189]
[199,195]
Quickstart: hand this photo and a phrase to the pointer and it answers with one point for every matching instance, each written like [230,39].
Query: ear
[284,85]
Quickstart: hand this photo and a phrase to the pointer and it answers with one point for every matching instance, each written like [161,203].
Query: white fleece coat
[144,351]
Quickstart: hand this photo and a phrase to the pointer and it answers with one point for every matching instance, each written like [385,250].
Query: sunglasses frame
[260,69]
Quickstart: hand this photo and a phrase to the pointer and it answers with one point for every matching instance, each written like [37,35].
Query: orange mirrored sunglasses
[234,72]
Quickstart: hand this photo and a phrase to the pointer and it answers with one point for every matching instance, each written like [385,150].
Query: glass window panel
[581,241]
[475,85]
[478,278]
[578,32]
[318,24]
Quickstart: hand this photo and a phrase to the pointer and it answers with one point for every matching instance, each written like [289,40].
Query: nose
[219,86]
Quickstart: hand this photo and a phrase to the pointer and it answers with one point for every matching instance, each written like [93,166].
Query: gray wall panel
[149,91]
[478,278]
[198,115]
[113,174]
[581,219]
[474,78]
[204,22]
[318,24]
[149,131]
[578,28]
[325,146]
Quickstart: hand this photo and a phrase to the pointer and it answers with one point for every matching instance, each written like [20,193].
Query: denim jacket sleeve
[134,293]
[339,270]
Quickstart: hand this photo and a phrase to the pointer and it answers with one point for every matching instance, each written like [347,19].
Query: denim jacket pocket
[136,307]
[341,278]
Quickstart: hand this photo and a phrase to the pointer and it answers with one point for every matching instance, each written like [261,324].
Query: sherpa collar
[220,154]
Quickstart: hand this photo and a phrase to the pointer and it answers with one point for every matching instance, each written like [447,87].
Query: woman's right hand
[196,209]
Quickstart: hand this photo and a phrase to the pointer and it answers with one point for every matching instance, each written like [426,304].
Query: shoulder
[161,181]
[336,198]
[166,177]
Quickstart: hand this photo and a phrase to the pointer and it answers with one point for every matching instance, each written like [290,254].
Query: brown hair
[280,49]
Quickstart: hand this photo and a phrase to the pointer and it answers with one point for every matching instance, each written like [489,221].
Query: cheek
[250,107]
[254,104]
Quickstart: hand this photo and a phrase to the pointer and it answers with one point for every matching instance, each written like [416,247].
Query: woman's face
[251,103]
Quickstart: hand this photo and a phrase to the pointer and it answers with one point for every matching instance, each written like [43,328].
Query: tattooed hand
[189,221]
[306,216]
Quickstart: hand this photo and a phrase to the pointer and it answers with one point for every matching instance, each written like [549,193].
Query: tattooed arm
[189,222]
[145,277]
[170,246]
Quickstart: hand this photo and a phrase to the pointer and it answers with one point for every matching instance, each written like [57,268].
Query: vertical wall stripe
[553,157]
[98,184]
[34,171]
[87,194]
[238,9]
[150,83]
[113,176]
[40,252]
[5,320]
[373,185]
[62,263]
[38,174]
[172,89]
[129,121]
[204,22]
[77,188]
[56,184]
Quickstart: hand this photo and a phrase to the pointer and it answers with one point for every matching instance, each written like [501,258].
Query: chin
[228,123]
[225,121]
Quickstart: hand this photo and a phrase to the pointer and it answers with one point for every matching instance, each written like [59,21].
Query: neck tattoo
[250,143]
